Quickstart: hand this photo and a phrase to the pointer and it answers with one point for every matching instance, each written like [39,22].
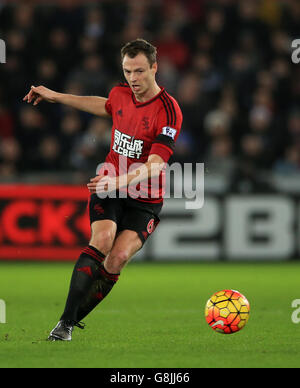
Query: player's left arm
[152,168]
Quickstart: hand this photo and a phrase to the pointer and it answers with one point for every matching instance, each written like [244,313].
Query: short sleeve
[108,104]
[168,126]
[108,107]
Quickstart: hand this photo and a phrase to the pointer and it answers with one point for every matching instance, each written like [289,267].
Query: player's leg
[137,224]
[87,268]
[103,219]
[103,234]
[126,244]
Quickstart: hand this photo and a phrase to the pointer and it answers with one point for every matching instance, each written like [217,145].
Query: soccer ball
[227,311]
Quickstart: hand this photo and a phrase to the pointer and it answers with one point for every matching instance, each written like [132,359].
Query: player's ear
[154,68]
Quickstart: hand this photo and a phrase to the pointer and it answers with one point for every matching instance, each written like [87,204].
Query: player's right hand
[92,185]
[39,93]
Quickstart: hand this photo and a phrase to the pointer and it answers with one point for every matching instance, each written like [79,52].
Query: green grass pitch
[154,317]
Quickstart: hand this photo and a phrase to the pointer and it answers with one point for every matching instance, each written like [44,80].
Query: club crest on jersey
[127,145]
[146,123]
[168,131]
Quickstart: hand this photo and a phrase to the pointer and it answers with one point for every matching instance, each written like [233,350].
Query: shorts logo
[98,209]
[127,145]
[150,226]
[168,131]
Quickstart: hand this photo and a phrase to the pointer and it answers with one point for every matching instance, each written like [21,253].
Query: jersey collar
[139,104]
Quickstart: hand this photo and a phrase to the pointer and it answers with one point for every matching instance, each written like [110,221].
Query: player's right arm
[90,104]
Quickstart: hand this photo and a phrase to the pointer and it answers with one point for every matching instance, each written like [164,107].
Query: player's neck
[149,94]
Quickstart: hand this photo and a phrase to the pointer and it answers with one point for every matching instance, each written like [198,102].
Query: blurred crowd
[227,62]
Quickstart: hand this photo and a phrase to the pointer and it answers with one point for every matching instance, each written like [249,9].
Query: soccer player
[146,124]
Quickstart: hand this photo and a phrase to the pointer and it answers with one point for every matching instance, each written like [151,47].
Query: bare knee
[116,260]
[103,241]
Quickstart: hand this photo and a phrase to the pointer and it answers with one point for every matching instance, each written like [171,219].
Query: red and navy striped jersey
[141,128]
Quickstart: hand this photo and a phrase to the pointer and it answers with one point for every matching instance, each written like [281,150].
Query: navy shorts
[127,213]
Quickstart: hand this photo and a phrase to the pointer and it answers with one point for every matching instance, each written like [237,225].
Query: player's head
[139,65]
[135,47]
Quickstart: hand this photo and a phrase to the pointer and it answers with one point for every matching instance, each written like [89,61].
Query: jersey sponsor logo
[127,145]
[168,131]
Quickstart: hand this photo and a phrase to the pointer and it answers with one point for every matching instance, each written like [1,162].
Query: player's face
[139,75]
